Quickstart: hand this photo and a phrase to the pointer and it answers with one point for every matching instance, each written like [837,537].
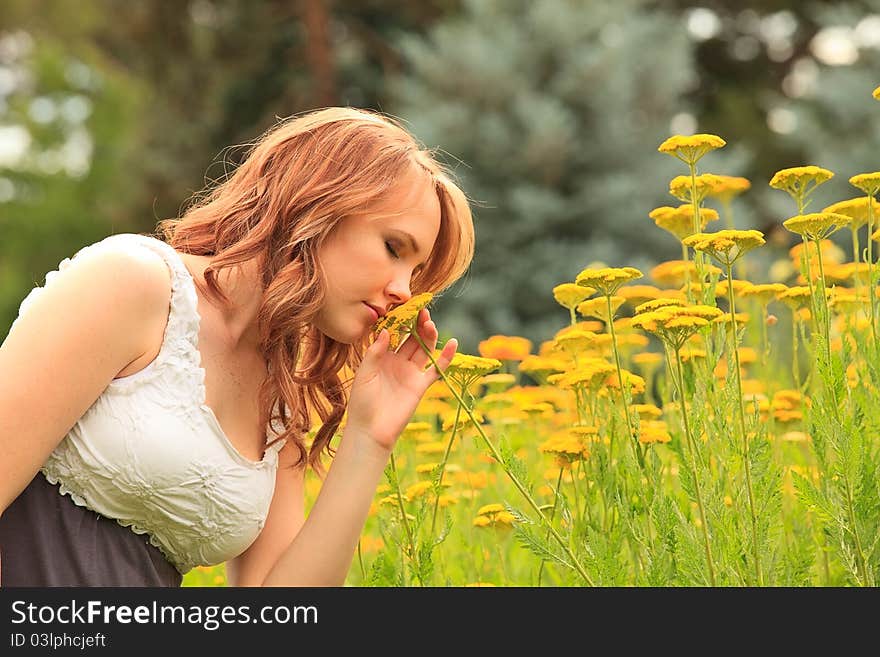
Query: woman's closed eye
[392,250]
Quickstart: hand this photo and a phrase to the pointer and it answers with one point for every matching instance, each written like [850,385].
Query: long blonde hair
[296,183]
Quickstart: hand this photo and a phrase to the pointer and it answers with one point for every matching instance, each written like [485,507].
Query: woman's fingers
[447,354]
[427,333]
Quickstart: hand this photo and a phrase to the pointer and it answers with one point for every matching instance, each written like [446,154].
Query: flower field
[685,426]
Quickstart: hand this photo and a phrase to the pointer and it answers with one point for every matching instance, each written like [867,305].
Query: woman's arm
[92,321]
[386,390]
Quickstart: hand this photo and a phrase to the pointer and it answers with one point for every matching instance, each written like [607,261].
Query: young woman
[159,395]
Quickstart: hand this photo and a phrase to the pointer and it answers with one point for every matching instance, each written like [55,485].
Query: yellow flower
[417,490]
[647,411]
[565,446]
[478,365]
[417,430]
[800,182]
[680,220]
[634,382]
[598,307]
[675,324]
[399,321]
[764,292]
[876,93]
[658,303]
[726,187]
[497,382]
[867,182]
[674,273]
[505,347]
[574,342]
[540,367]
[589,374]
[464,420]
[681,187]
[726,246]
[494,515]
[653,431]
[636,294]
[569,295]
[854,208]
[816,225]
[690,148]
[607,280]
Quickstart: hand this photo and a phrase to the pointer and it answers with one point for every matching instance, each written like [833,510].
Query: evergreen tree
[551,112]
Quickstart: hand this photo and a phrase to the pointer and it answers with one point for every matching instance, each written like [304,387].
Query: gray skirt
[47,540]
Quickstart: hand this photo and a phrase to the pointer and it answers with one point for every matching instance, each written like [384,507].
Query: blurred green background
[549,112]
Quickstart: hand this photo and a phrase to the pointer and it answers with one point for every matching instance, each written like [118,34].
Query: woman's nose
[398,290]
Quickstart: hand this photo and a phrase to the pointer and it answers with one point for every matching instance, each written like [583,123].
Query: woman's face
[369,258]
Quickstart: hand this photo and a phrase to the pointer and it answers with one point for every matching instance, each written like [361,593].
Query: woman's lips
[373,312]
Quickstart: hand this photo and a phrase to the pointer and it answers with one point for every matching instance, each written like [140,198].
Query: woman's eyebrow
[411,239]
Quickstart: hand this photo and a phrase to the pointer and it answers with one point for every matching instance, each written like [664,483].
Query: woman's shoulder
[133,281]
[120,263]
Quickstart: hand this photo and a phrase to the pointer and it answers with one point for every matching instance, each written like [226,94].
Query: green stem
[443,468]
[630,434]
[691,449]
[855,532]
[403,518]
[552,513]
[361,562]
[497,456]
[742,426]
[872,296]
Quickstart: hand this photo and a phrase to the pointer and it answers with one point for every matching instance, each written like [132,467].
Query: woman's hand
[388,385]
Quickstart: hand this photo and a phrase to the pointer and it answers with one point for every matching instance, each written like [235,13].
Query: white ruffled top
[151,454]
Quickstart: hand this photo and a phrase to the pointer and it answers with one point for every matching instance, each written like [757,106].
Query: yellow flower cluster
[569,295]
[798,181]
[726,246]
[494,515]
[466,369]
[816,225]
[568,446]
[680,220]
[505,347]
[607,280]
[653,431]
[764,292]
[589,374]
[675,324]
[690,148]
[674,273]
[399,321]
[598,307]
[726,187]
[867,182]
[681,187]
[854,208]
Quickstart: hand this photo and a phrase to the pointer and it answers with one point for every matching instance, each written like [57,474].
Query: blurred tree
[172,92]
[556,109]
[64,142]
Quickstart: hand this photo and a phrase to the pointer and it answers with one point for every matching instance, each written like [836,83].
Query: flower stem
[742,426]
[443,469]
[497,456]
[679,383]
[403,518]
[630,433]
[552,513]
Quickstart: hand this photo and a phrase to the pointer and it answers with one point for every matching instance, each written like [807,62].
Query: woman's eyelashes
[392,250]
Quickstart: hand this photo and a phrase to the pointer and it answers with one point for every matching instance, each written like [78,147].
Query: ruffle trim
[182,566]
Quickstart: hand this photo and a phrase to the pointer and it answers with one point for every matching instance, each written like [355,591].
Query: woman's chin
[347,335]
